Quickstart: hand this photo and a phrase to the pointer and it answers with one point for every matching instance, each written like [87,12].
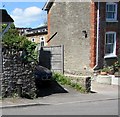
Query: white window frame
[112,54]
[115,15]
[42,39]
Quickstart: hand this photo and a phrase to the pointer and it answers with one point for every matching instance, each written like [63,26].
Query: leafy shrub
[105,69]
[13,41]
[63,80]
[113,68]
[116,65]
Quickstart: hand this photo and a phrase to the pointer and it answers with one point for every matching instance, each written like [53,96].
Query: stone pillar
[88,84]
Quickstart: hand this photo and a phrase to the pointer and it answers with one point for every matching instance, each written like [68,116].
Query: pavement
[99,92]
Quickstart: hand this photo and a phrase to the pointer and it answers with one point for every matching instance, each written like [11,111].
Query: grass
[64,80]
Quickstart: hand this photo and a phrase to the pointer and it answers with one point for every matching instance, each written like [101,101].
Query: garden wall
[84,81]
[13,69]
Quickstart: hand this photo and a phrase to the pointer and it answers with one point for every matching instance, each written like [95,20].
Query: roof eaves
[47,5]
[42,27]
[6,18]
[36,34]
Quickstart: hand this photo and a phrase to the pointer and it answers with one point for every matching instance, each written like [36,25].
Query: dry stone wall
[15,69]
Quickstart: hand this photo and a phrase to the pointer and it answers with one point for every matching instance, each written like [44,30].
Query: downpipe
[98,23]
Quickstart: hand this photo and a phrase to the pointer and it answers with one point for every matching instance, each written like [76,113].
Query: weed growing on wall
[64,80]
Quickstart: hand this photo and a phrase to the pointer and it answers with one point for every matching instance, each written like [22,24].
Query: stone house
[22,31]
[89,31]
[38,35]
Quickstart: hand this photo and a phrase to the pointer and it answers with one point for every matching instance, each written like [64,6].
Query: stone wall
[70,20]
[84,81]
[14,69]
[0,64]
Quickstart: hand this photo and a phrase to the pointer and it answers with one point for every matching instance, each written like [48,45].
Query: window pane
[111,7]
[110,42]
[109,48]
[111,38]
[111,12]
[110,15]
[107,8]
[42,43]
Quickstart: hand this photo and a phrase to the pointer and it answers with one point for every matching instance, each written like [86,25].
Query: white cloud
[25,17]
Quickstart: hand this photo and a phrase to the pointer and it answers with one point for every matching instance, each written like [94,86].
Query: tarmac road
[105,107]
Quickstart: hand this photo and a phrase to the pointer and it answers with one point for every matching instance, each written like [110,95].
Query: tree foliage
[13,41]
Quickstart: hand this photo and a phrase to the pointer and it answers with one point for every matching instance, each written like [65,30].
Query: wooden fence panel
[52,57]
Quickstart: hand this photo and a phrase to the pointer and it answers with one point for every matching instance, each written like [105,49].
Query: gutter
[97,45]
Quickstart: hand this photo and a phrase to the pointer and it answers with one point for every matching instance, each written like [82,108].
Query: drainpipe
[97,45]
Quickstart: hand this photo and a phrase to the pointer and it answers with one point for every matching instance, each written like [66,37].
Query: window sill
[112,21]
[110,56]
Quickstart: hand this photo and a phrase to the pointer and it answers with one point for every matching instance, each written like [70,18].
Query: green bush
[13,41]
[63,80]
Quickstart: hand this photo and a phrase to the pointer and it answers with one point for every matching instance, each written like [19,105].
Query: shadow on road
[49,88]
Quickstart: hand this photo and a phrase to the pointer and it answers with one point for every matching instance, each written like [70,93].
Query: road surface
[104,107]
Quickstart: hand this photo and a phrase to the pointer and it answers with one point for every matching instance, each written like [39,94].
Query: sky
[26,14]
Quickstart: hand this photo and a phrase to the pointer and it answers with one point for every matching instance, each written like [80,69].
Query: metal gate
[52,57]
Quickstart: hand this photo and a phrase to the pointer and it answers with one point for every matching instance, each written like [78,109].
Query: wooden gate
[52,57]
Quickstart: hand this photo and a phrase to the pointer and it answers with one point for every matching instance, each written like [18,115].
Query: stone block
[84,81]
[105,79]
[115,80]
